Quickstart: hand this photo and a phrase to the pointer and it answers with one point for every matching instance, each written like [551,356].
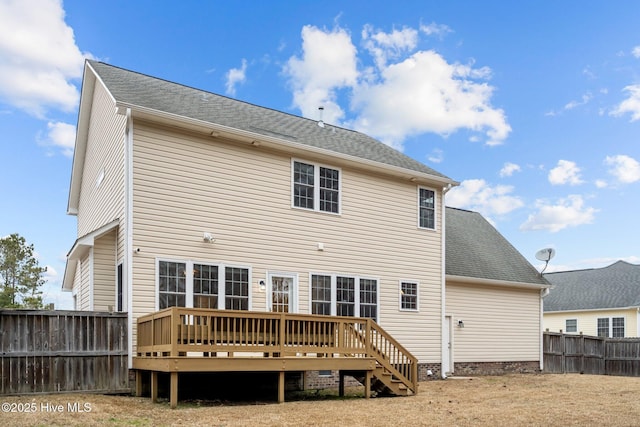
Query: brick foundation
[495,368]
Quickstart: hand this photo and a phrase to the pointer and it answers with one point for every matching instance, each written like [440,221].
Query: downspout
[128,247]
[443,340]
[543,293]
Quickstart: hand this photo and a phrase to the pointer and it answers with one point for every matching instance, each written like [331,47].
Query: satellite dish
[545,255]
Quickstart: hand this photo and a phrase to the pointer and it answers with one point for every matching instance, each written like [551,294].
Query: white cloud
[567,172]
[39,57]
[477,195]
[631,104]
[436,156]
[626,169]
[61,135]
[403,94]
[509,168]
[328,63]
[434,29]
[601,183]
[636,51]
[569,212]
[583,101]
[236,76]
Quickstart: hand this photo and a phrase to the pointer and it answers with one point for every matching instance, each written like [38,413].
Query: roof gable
[135,90]
[614,286]
[475,249]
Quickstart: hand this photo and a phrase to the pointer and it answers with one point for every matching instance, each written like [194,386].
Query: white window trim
[189,281]
[417,283]
[610,333]
[577,326]
[435,208]
[294,301]
[316,186]
[334,292]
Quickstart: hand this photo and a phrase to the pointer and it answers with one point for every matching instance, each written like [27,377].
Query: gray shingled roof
[476,249]
[615,286]
[140,90]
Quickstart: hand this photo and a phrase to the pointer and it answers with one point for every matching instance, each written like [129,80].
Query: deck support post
[173,397]
[138,383]
[367,384]
[281,387]
[341,384]
[154,386]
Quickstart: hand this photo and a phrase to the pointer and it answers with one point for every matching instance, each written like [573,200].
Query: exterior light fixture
[208,237]
[460,324]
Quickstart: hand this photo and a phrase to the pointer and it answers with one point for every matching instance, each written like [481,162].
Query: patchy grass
[512,400]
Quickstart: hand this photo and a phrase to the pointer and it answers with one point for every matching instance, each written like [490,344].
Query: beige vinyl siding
[588,320]
[104,272]
[84,292]
[187,185]
[501,324]
[101,204]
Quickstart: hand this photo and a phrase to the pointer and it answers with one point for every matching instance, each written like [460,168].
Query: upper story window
[427,208]
[316,187]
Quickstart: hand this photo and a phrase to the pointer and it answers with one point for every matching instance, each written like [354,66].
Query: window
[612,327]
[617,327]
[313,182]
[409,296]
[189,284]
[172,280]
[205,286]
[427,208]
[344,296]
[571,325]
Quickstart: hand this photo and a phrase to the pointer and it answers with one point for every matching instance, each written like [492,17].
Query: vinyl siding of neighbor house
[501,324]
[104,270]
[588,320]
[102,189]
[185,185]
[83,281]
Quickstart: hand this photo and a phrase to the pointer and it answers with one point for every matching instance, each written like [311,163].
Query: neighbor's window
[427,208]
[571,325]
[172,281]
[408,296]
[603,327]
[617,327]
[312,182]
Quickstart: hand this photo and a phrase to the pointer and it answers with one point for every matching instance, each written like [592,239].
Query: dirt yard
[514,400]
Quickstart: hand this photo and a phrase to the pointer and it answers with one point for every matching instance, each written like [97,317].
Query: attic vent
[320,111]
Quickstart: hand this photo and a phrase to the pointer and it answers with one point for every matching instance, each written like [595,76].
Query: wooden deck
[179,339]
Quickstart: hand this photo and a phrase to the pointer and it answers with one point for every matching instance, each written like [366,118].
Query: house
[598,301]
[493,312]
[266,233]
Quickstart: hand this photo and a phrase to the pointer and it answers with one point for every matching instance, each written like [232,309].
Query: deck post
[154,386]
[138,383]
[173,397]
[341,384]
[367,384]
[281,387]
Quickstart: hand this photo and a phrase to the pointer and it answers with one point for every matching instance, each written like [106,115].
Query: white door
[282,293]
[447,348]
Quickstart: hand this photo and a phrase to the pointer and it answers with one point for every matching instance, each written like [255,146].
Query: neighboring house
[599,301]
[187,198]
[493,300]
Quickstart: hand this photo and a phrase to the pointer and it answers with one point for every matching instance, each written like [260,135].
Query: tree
[20,274]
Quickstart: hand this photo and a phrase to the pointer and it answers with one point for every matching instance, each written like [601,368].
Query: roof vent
[320,111]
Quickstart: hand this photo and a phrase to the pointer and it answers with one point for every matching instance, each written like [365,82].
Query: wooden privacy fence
[63,351]
[567,353]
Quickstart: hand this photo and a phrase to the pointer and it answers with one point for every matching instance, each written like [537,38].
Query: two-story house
[185,198]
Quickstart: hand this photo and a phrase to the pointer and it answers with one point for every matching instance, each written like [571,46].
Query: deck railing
[180,331]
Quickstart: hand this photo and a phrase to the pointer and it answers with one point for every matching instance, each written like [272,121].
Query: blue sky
[533,106]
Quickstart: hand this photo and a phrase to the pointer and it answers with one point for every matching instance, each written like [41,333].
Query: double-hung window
[612,327]
[339,295]
[571,325]
[427,208]
[189,284]
[316,187]
[409,295]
